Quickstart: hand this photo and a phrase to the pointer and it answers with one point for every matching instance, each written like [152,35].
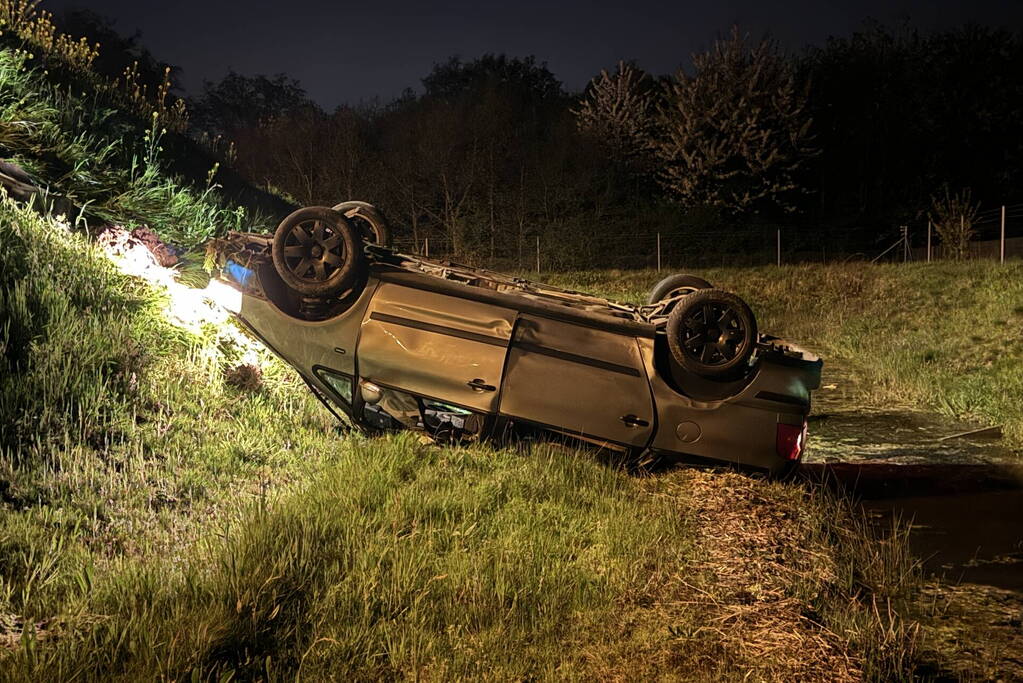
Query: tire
[317,252]
[368,220]
[712,333]
[668,286]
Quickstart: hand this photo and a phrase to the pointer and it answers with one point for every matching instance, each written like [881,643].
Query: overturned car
[396,341]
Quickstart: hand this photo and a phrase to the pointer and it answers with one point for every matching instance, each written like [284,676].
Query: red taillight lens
[791,439]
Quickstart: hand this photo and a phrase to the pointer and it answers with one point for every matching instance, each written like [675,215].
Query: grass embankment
[947,336]
[100,164]
[157,521]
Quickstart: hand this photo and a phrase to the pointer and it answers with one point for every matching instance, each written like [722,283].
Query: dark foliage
[899,114]
[118,52]
[493,154]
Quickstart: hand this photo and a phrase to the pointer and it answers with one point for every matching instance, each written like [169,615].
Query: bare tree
[618,110]
[953,216]
[735,133]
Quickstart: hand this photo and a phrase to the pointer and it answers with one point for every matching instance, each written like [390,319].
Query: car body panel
[582,379]
[435,345]
[307,344]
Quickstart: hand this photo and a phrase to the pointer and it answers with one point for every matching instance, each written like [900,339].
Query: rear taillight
[791,439]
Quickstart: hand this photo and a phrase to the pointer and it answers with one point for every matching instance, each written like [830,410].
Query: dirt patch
[758,584]
[120,242]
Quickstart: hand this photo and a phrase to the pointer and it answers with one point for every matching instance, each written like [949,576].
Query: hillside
[164,514]
[159,521]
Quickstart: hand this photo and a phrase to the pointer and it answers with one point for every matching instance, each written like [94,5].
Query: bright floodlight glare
[224,295]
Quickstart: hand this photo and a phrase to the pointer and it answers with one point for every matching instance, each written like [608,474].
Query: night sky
[351,52]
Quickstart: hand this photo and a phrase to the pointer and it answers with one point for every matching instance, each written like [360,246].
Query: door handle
[480,385]
[631,420]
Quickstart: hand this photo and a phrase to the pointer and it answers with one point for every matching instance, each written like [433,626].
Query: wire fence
[998,234]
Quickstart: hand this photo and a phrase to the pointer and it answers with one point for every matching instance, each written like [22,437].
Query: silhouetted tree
[736,133]
[238,102]
[953,216]
[899,114]
[617,111]
[524,76]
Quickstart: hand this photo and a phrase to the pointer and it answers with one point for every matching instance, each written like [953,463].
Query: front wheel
[712,333]
[317,252]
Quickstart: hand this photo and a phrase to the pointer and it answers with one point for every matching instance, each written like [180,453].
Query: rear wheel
[368,220]
[317,252]
[712,333]
[675,285]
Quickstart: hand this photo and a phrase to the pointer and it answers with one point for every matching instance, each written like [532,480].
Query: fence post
[658,252]
[779,246]
[929,241]
[1001,248]
[426,245]
[905,243]
[537,254]
[962,228]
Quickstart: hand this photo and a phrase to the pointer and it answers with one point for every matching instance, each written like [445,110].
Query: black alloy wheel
[368,220]
[317,252]
[712,333]
[675,285]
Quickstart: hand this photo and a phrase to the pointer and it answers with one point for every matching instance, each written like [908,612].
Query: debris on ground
[754,551]
[245,376]
[141,253]
[122,243]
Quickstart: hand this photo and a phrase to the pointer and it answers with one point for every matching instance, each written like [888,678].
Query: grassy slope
[944,335]
[155,521]
[99,162]
[158,522]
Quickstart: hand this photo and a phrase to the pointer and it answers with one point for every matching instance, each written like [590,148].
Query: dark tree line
[839,144]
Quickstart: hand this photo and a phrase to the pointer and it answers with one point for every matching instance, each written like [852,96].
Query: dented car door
[435,345]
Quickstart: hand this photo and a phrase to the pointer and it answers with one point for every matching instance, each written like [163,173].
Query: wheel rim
[314,251]
[713,333]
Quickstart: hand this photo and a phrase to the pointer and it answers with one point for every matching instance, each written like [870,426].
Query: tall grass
[399,560]
[75,335]
[32,31]
[104,162]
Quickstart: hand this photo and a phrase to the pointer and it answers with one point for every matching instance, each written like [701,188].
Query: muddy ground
[963,497]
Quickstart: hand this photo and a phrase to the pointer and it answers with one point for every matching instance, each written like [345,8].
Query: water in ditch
[963,496]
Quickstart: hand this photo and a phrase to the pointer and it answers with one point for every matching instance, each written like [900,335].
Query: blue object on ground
[239,273]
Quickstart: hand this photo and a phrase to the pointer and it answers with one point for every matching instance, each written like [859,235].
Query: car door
[435,345]
[578,379]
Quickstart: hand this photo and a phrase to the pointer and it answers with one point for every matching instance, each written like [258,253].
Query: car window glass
[445,407]
[341,384]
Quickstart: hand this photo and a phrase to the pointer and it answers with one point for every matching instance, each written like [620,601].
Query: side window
[340,384]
